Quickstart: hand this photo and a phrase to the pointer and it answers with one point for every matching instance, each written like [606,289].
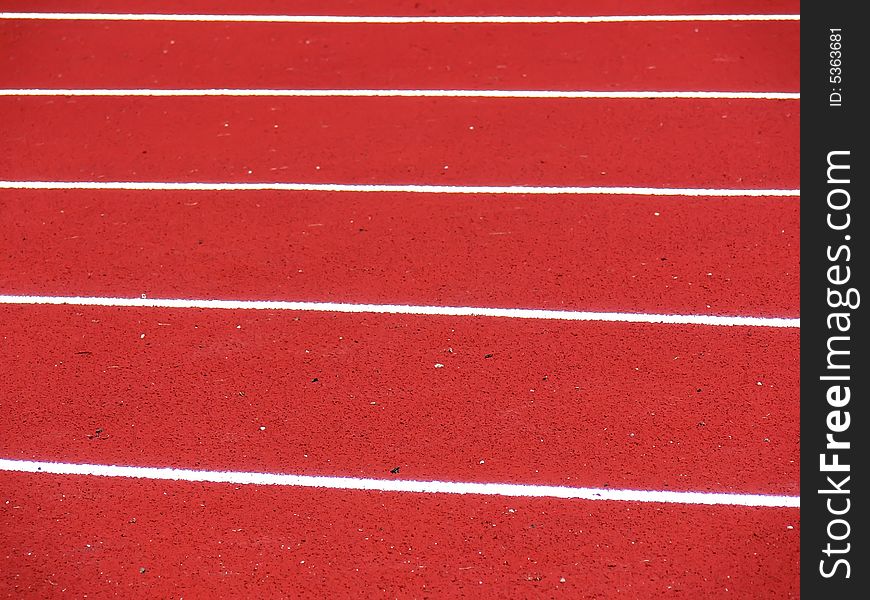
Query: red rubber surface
[698,256]
[413,7]
[704,143]
[640,56]
[146,539]
[628,406]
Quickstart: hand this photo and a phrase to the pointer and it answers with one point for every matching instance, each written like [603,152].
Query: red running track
[664,143]
[689,408]
[173,397]
[717,56]
[146,539]
[611,253]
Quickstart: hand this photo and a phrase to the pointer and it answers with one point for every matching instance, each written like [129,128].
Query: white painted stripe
[411,189]
[403,309]
[543,94]
[384,20]
[396,485]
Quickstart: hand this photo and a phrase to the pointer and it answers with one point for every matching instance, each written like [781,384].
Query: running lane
[140,538]
[415,7]
[602,253]
[715,56]
[669,407]
[665,143]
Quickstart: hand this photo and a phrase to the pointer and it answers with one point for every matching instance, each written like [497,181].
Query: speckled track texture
[629,406]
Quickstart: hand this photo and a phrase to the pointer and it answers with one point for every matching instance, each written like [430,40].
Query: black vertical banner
[834,366]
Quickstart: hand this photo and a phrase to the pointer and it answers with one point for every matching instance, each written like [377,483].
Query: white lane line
[394,485]
[404,309]
[369,93]
[413,189]
[385,20]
